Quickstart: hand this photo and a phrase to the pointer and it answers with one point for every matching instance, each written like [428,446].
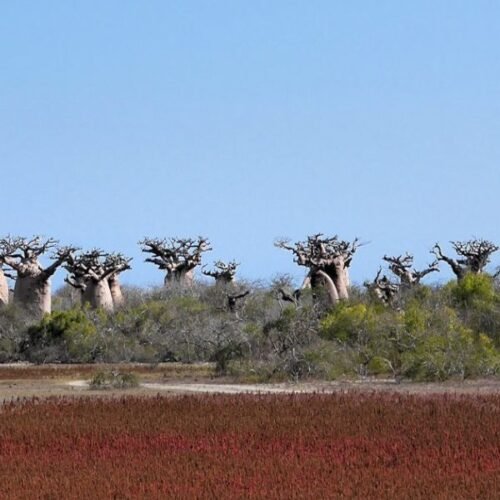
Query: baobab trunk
[183,278]
[328,260]
[116,291]
[340,278]
[331,289]
[98,295]
[4,289]
[33,293]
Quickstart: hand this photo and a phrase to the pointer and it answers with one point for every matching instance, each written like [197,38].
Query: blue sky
[247,121]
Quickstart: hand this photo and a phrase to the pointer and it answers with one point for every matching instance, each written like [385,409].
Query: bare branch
[178,256]
[223,272]
[402,267]
[473,254]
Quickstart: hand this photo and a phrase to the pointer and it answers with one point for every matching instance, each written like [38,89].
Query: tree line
[95,273]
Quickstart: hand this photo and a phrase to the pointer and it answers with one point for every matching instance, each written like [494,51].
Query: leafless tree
[177,256]
[473,256]
[285,296]
[95,274]
[402,267]
[382,287]
[328,261]
[233,299]
[32,288]
[223,273]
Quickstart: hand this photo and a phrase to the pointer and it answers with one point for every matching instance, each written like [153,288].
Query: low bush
[113,380]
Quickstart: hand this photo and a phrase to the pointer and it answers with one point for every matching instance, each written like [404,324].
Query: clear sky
[249,120]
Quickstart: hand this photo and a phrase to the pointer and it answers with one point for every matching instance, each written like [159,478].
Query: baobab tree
[177,256]
[402,267]
[383,288]
[223,273]
[328,261]
[473,256]
[7,248]
[32,288]
[95,274]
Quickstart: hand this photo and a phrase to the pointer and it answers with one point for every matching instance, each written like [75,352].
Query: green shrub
[66,336]
[474,289]
[457,352]
[348,322]
[114,380]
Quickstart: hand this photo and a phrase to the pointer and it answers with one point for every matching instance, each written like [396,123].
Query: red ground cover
[269,446]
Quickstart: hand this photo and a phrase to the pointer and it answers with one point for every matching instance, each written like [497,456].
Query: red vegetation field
[300,446]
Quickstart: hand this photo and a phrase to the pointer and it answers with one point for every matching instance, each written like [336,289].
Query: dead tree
[95,274]
[402,267]
[328,261]
[473,256]
[233,300]
[223,273]
[383,289]
[177,256]
[32,288]
[285,296]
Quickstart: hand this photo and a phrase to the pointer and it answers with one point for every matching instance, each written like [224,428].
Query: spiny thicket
[393,326]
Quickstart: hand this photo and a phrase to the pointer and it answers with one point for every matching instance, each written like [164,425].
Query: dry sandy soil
[21,381]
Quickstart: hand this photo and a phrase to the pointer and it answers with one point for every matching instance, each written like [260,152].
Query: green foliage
[13,325]
[474,289]
[428,334]
[349,322]
[458,353]
[66,335]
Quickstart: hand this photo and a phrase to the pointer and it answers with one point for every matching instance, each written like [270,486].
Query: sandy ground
[26,381]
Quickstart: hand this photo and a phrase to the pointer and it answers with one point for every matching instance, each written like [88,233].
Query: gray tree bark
[116,291]
[4,289]
[98,295]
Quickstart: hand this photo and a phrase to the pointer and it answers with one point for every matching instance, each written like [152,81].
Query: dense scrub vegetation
[296,446]
[426,333]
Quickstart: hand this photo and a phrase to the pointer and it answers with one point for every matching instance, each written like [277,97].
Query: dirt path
[25,381]
[469,387]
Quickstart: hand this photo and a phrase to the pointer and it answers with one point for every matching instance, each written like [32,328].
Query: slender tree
[32,288]
[178,257]
[473,256]
[327,261]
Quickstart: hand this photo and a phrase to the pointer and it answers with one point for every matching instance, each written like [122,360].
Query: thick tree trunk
[338,273]
[98,295]
[182,278]
[116,291]
[34,293]
[331,289]
[341,280]
[4,289]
